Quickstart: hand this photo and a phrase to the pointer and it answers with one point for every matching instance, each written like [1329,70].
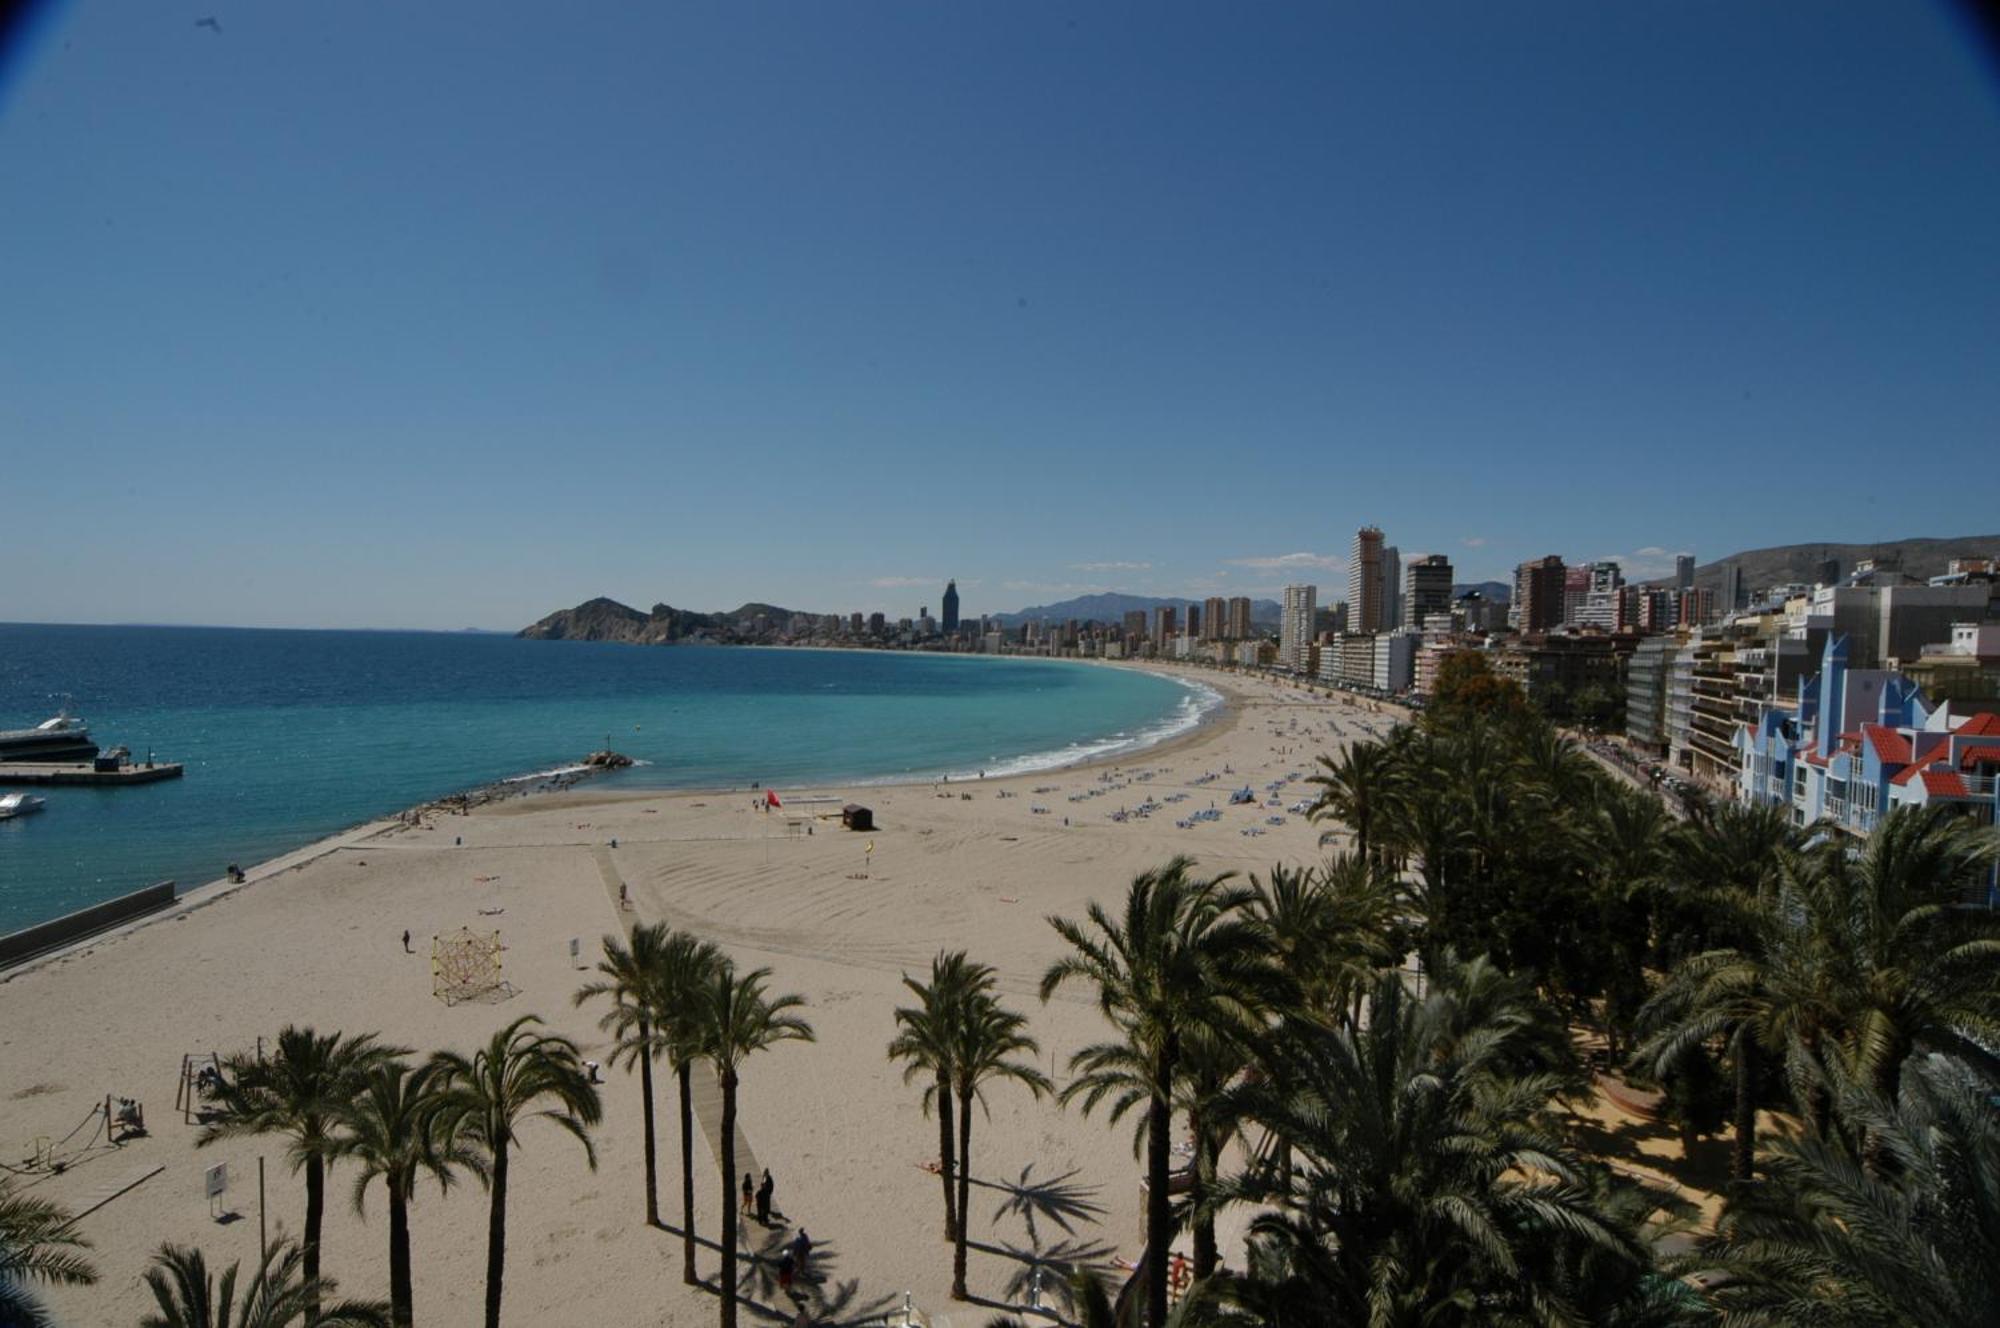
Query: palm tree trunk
[401,1299]
[1159,1234]
[958,1291]
[496,1236]
[1205,1256]
[1743,1158]
[729,1200]
[315,1215]
[652,1158]
[688,1276]
[944,1154]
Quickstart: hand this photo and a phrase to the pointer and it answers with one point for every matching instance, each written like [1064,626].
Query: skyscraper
[1194,620]
[1163,623]
[950,607]
[1731,598]
[1295,627]
[1426,588]
[1239,617]
[1538,594]
[1215,619]
[1392,588]
[1364,582]
[1683,571]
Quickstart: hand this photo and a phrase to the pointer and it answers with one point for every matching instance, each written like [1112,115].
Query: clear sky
[443,314]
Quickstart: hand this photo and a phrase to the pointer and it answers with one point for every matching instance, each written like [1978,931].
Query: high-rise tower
[1364,582]
[950,607]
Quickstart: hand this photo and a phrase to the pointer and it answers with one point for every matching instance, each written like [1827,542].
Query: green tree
[631,980]
[1355,789]
[1429,1185]
[739,1020]
[687,964]
[1182,956]
[1903,1235]
[38,1245]
[924,1043]
[986,1037]
[521,1074]
[1329,928]
[1467,685]
[391,1130]
[298,1093]
[278,1295]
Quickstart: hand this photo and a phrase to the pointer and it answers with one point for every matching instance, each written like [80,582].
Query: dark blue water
[289,736]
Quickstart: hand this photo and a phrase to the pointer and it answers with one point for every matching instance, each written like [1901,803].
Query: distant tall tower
[1239,618]
[1684,571]
[1215,619]
[1392,588]
[1295,628]
[1194,620]
[1731,598]
[950,607]
[1538,595]
[1364,582]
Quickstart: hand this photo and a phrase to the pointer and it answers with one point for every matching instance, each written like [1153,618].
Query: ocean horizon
[292,734]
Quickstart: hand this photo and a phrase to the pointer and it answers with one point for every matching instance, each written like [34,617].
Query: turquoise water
[289,736]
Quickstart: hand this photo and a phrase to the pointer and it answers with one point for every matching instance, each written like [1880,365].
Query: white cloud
[1110,567]
[1054,587]
[1650,551]
[1292,562]
[905,582]
[1474,541]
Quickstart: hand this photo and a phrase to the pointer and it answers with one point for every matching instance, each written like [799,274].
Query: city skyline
[714,305]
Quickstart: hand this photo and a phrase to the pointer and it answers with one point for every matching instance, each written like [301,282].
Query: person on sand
[406,941]
[764,1190]
[749,1193]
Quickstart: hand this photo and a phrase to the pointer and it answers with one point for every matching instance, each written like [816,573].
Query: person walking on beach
[749,1193]
[406,941]
[764,1190]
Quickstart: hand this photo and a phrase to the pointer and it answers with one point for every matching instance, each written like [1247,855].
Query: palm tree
[37,1245]
[1182,957]
[738,1020]
[1428,1185]
[521,1074]
[923,1042]
[1903,1235]
[1355,789]
[279,1294]
[984,1040]
[686,964]
[631,979]
[1328,928]
[391,1129]
[298,1092]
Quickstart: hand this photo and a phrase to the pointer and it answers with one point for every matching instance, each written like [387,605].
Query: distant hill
[1785,563]
[604,619]
[1498,591]
[1112,608]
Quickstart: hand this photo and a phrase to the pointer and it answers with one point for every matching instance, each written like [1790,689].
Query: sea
[289,736]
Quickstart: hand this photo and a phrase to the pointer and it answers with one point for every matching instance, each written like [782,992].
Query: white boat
[19,804]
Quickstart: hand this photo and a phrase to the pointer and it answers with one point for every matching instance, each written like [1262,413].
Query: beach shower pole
[263,1240]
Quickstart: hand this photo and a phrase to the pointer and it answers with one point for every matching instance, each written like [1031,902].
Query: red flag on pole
[771,798]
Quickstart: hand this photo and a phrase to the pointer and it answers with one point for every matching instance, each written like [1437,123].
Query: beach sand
[968,865]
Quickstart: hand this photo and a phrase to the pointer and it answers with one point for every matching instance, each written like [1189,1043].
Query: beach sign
[871,847]
[575,951]
[215,1182]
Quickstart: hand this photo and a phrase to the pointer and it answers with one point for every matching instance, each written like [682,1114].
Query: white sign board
[216,1180]
[575,949]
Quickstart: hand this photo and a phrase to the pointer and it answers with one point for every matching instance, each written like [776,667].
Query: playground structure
[467,966]
[201,1075]
[111,1122]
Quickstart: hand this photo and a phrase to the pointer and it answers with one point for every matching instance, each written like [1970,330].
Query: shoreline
[581,790]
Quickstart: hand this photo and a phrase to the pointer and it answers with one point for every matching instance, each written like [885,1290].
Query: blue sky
[449,314]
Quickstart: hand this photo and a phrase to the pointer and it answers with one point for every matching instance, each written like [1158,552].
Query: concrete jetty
[84,772]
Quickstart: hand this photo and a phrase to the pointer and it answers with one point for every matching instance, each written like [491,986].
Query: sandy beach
[975,865]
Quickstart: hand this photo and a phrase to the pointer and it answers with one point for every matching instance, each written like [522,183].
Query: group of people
[757,1203]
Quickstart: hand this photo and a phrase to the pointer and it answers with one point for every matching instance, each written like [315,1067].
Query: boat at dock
[61,738]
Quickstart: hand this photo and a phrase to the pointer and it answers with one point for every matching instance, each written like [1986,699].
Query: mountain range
[1786,563]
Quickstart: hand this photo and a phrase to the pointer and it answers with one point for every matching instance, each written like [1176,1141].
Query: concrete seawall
[44,936]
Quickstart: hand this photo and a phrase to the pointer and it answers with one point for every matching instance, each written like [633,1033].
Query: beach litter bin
[856,817]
